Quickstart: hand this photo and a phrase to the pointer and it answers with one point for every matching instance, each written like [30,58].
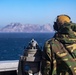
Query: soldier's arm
[46,63]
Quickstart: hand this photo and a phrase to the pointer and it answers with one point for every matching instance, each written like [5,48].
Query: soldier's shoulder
[50,41]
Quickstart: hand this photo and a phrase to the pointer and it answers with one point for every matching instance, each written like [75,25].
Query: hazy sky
[35,11]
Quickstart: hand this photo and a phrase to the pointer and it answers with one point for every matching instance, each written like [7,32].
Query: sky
[35,11]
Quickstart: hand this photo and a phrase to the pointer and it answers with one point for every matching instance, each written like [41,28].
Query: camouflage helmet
[61,19]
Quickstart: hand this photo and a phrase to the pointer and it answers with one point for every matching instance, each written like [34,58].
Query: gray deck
[8,65]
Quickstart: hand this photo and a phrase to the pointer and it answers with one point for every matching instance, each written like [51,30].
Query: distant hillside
[28,28]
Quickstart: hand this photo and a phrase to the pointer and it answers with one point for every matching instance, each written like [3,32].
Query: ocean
[12,44]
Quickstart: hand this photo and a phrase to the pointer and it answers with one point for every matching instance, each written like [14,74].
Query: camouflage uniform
[59,53]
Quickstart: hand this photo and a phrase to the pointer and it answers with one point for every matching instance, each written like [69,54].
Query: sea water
[12,44]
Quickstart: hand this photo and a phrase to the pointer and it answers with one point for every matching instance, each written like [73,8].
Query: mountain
[28,28]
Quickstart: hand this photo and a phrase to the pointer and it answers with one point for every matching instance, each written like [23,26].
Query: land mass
[28,28]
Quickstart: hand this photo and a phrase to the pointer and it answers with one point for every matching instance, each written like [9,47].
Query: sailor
[59,52]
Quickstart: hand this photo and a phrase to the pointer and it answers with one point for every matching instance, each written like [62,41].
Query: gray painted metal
[8,65]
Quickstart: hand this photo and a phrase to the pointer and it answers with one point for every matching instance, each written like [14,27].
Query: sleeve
[46,60]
